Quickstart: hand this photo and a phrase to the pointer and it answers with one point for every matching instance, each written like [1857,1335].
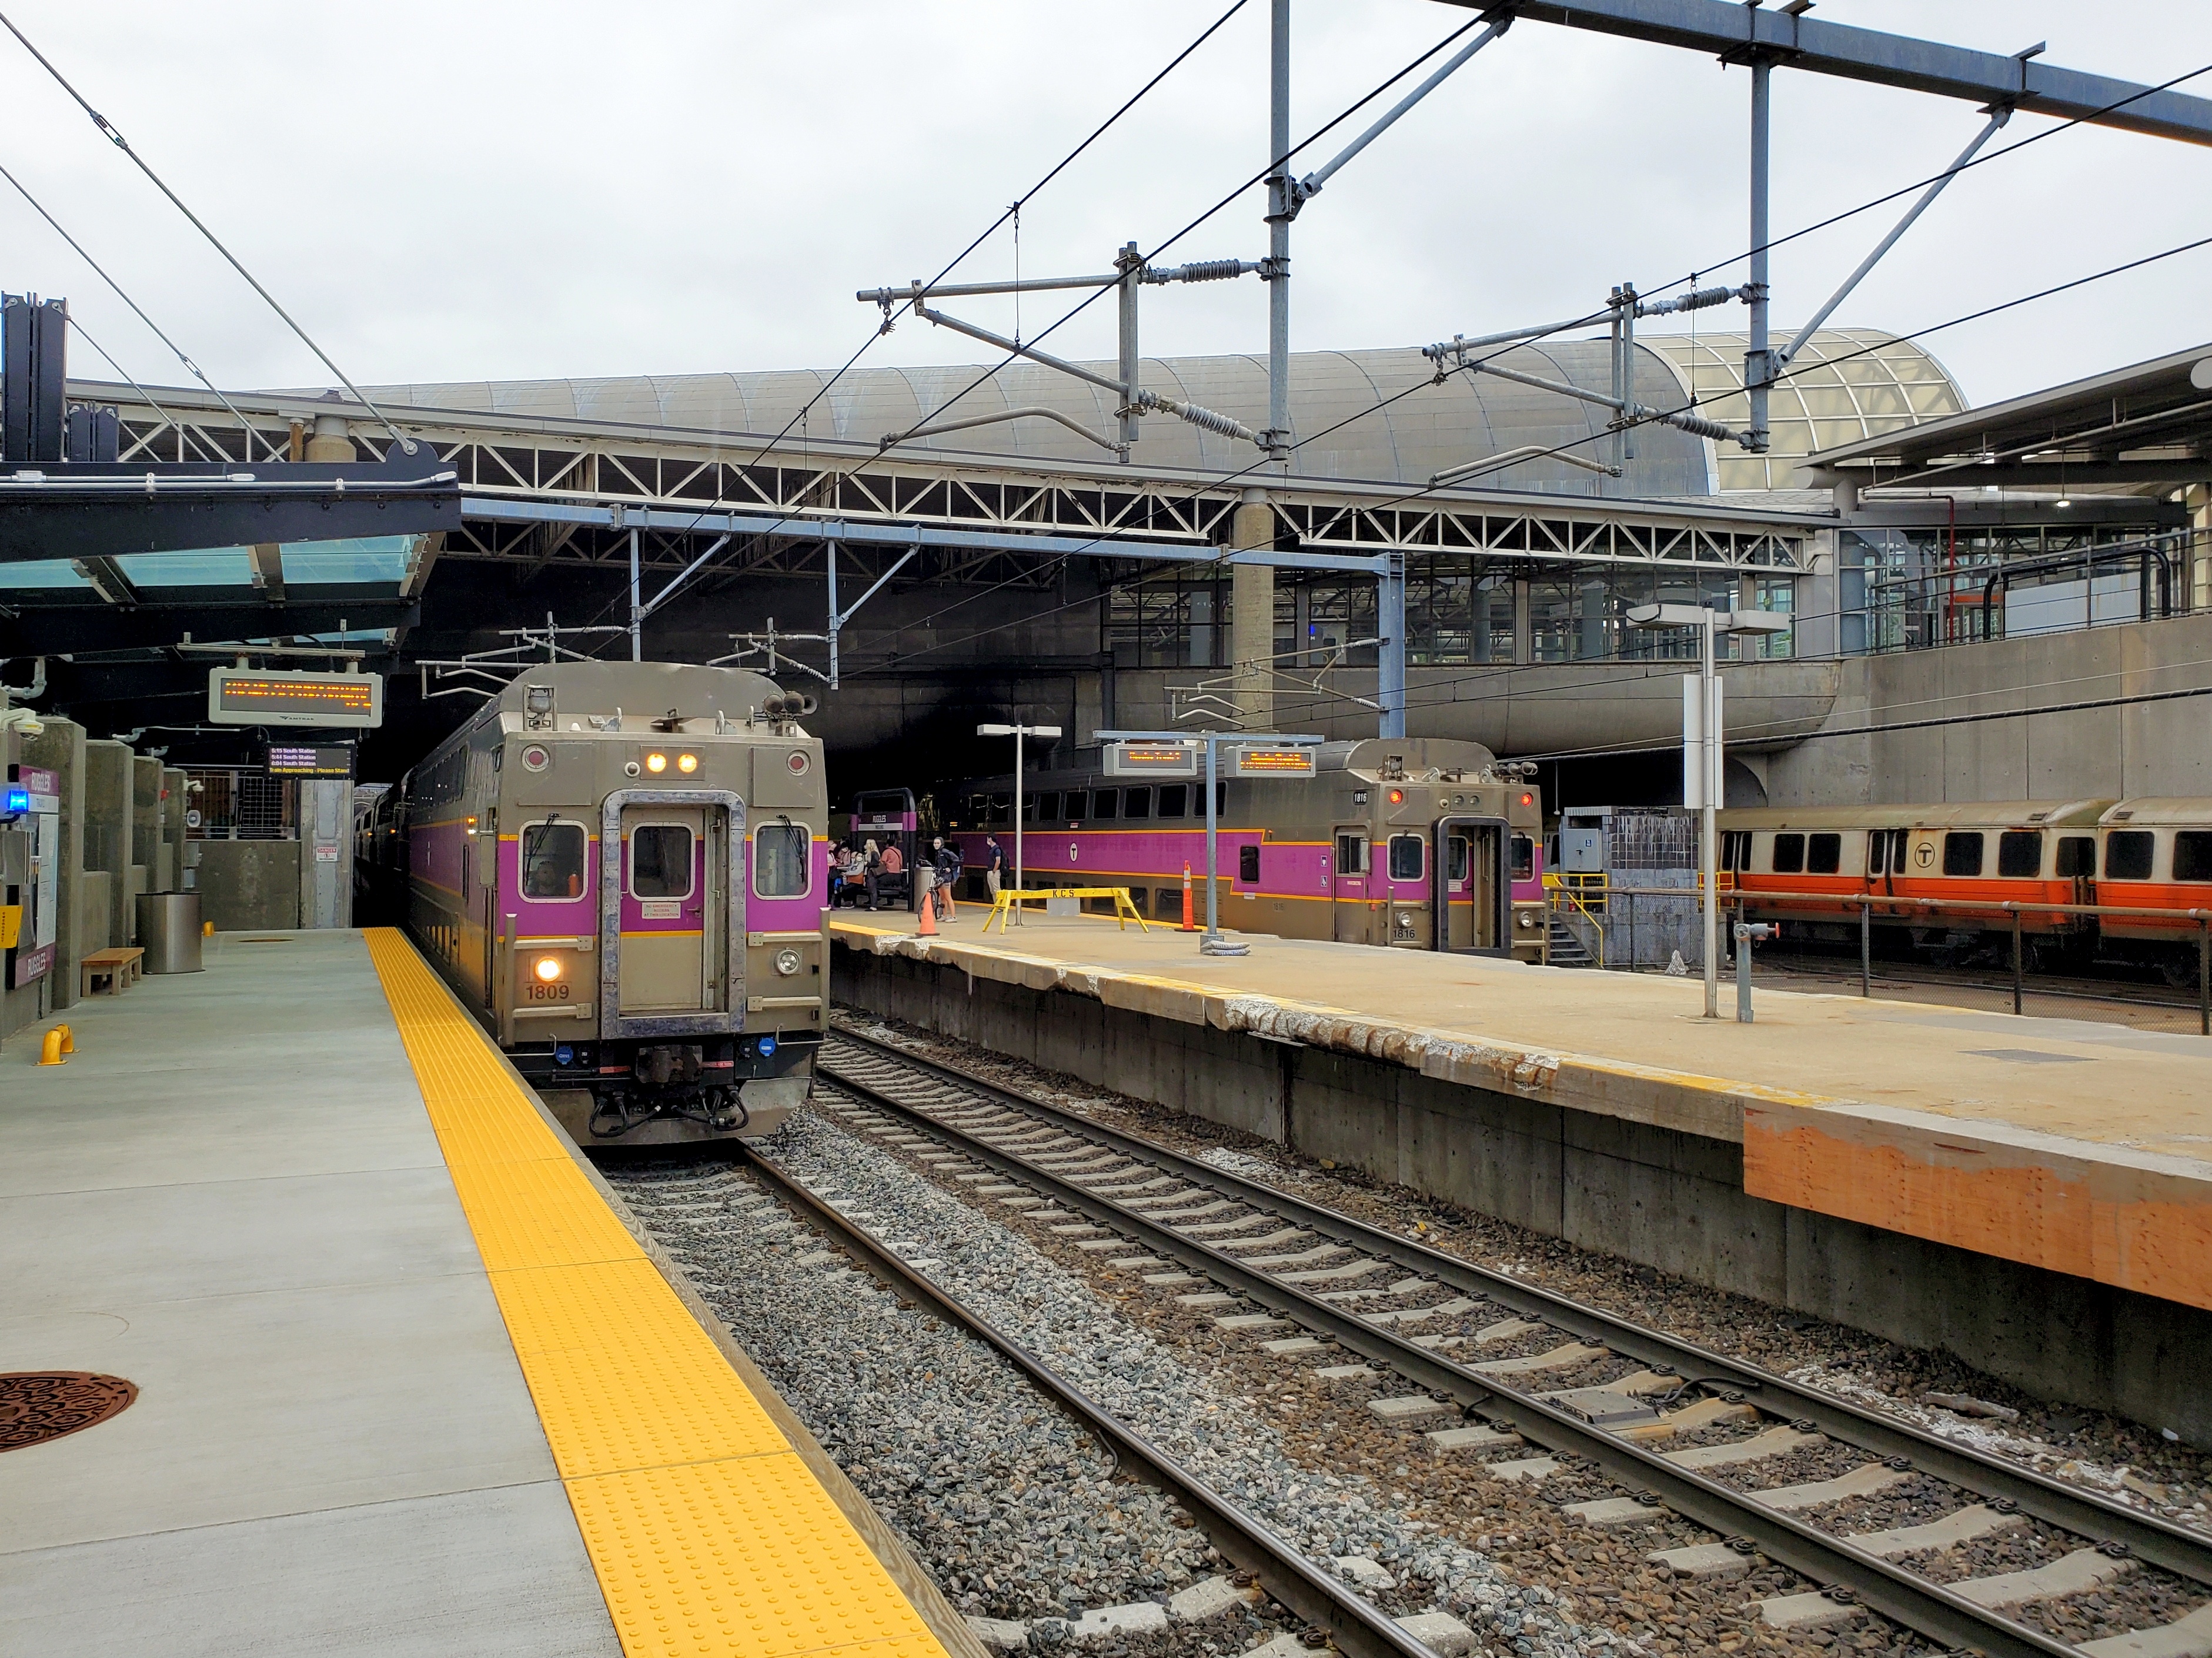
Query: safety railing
[1893,907]
[1572,905]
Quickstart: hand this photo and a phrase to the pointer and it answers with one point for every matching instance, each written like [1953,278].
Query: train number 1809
[545,992]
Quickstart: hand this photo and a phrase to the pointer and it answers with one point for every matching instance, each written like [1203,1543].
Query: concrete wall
[250,885]
[1662,1198]
[60,748]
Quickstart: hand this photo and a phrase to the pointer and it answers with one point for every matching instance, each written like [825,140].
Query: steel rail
[1900,1594]
[1353,1626]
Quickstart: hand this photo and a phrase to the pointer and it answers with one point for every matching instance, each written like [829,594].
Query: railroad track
[1279,1254]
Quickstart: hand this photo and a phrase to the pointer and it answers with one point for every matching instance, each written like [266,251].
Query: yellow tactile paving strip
[707,1532]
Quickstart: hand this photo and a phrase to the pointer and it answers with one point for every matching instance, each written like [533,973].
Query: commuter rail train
[2146,854]
[621,869]
[1417,843]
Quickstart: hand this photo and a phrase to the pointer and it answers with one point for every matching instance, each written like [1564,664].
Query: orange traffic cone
[1189,916]
[928,927]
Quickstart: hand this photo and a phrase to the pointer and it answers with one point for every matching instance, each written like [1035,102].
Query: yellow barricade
[1125,908]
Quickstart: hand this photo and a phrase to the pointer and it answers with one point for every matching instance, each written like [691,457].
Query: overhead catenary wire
[108,129]
[100,271]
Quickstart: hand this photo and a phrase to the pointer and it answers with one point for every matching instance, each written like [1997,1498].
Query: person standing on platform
[945,870]
[994,866]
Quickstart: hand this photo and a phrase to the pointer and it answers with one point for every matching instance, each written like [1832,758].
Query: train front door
[1349,884]
[1472,887]
[675,923]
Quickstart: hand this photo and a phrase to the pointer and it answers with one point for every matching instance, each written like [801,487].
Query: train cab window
[660,860]
[1105,802]
[1962,852]
[2020,854]
[1137,803]
[1078,807]
[2077,854]
[1824,854]
[1351,854]
[1456,857]
[1408,855]
[1248,865]
[1789,855]
[552,861]
[1524,859]
[2192,855]
[1174,799]
[780,860]
[1048,806]
[2127,854]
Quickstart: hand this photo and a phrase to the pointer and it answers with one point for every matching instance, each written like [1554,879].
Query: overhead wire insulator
[1205,419]
[1202,271]
[1701,427]
[1696,300]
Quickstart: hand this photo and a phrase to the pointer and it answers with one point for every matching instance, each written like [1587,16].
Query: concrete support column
[1524,622]
[1252,616]
[333,440]
[2199,499]
[108,838]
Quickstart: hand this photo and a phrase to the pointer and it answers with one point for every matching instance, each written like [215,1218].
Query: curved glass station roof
[1847,383]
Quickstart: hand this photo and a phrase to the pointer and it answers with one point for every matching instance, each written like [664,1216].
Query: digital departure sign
[329,759]
[236,696]
[1151,759]
[1272,762]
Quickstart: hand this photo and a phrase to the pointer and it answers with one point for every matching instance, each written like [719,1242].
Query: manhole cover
[37,1406]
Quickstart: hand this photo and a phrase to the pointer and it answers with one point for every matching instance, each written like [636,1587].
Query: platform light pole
[1018,733]
[1703,748]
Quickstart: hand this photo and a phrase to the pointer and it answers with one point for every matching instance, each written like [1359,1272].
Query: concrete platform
[2074,1150]
[233,1197]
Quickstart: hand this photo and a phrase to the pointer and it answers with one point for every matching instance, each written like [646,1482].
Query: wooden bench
[118,966]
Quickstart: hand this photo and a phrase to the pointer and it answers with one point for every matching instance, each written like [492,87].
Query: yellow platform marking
[707,1532]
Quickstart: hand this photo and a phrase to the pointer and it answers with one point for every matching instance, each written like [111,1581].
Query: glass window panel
[552,858]
[780,860]
[1174,797]
[1351,854]
[1048,806]
[1105,803]
[2077,854]
[1789,855]
[1962,852]
[2192,855]
[2128,853]
[1824,855]
[1248,865]
[660,860]
[1456,856]
[2020,854]
[1406,859]
[1137,802]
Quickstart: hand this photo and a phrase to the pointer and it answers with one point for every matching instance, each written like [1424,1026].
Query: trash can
[169,932]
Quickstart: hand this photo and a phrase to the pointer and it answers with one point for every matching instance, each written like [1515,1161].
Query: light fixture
[787,962]
[1397,798]
[656,764]
[548,968]
[687,763]
[1528,800]
[2064,501]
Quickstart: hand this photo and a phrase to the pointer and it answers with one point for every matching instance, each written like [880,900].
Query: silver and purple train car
[621,869]
[1413,842]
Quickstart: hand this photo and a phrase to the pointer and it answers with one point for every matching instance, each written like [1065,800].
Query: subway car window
[1456,857]
[552,861]
[1962,852]
[1079,805]
[1877,858]
[1824,855]
[1002,809]
[1405,858]
[660,860]
[1900,845]
[1351,855]
[1105,802]
[1524,859]
[1172,798]
[1048,806]
[780,860]
[2077,854]
[1789,855]
[1137,803]
[1248,865]
[2020,854]
[2127,854]
[2192,855]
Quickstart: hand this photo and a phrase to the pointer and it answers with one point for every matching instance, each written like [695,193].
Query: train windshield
[660,860]
[780,860]
[552,861]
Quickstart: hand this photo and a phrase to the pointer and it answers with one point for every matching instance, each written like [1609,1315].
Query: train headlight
[656,764]
[787,962]
[687,763]
[1526,918]
[1528,800]
[547,967]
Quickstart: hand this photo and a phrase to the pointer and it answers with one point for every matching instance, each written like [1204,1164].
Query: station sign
[236,696]
[1271,763]
[327,759]
[1151,760]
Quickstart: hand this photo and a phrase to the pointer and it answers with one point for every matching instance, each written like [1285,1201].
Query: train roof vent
[2037,817]
[2125,816]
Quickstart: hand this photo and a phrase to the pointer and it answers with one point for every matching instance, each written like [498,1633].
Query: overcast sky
[480,190]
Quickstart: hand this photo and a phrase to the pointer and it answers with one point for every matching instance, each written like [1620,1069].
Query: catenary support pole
[1708,818]
[636,614]
[1017,817]
[830,563]
[1130,263]
[1212,829]
[1758,361]
[1390,647]
[1281,203]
